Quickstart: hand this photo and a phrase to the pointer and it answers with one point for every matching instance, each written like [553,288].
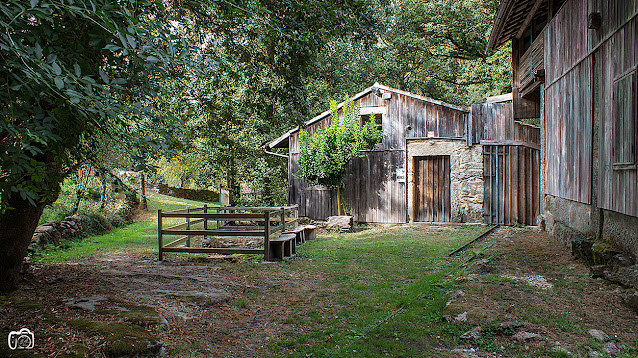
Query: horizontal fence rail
[223,221]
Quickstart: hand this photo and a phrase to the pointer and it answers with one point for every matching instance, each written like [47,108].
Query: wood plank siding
[494,123]
[616,57]
[568,105]
[592,72]
[375,184]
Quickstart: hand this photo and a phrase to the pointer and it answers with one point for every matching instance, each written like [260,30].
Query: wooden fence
[224,221]
[511,184]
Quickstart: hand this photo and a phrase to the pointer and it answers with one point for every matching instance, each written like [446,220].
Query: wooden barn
[574,65]
[430,164]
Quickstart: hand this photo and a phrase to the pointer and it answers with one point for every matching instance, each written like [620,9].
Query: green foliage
[432,48]
[67,71]
[324,156]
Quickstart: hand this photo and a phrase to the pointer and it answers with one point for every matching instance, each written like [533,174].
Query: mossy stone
[121,339]
[141,315]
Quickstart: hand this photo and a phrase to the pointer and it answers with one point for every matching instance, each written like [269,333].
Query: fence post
[159,234]
[283,220]
[205,220]
[188,227]
[266,235]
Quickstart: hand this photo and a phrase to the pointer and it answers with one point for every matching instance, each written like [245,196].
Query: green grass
[166,203]
[138,236]
[387,289]
[381,292]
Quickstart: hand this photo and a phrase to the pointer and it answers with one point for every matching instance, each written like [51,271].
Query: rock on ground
[341,223]
[474,334]
[598,334]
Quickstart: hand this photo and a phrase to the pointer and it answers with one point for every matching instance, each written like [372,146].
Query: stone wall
[78,226]
[466,175]
[622,230]
[567,219]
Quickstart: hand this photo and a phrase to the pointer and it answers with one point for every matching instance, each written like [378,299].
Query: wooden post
[188,227]
[159,234]
[205,220]
[266,235]
[283,220]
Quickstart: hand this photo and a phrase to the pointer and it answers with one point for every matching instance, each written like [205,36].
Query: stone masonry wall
[466,175]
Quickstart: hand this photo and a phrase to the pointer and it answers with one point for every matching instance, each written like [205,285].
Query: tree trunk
[339,201]
[143,204]
[78,197]
[103,197]
[16,230]
[231,183]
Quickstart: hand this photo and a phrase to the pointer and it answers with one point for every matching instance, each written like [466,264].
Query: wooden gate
[432,188]
[511,184]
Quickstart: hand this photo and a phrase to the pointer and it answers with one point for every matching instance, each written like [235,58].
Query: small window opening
[378,120]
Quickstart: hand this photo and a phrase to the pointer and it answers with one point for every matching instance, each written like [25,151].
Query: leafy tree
[324,156]
[258,91]
[434,48]
[66,72]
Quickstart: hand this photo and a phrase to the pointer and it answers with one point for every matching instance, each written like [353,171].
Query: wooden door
[432,188]
[511,184]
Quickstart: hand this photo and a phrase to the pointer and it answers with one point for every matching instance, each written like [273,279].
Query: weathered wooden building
[574,65]
[429,166]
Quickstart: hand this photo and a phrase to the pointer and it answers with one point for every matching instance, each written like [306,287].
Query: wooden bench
[283,246]
[299,232]
[310,232]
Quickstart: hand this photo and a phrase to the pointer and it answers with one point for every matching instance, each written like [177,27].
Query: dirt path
[532,282]
[218,308]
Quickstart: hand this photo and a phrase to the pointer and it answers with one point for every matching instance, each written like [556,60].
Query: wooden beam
[214,232]
[484,234]
[210,250]
[529,19]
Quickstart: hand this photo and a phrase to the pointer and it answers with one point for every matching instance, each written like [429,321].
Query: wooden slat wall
[527,133]
[372,192]
[529,63]
[511,184]
[491,121]
[616,59]
[432,189]
[495,122]
[568,105]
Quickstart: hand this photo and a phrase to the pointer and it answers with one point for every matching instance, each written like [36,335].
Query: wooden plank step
[310,232]
[299,232]
[283,246]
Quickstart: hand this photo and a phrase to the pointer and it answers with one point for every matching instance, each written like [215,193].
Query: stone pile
[53,232]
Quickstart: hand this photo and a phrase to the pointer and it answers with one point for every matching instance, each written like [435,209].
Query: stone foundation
[466,175]
[569,220]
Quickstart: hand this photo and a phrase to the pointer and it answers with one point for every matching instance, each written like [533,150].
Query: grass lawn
[140,236]
[381,293]
[376,292]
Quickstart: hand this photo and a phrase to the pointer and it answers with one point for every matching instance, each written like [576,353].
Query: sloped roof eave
[283,138]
